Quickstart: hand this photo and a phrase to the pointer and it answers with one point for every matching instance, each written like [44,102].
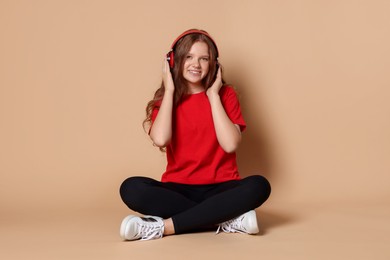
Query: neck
[194,89]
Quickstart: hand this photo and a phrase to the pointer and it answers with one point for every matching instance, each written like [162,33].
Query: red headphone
[171,54]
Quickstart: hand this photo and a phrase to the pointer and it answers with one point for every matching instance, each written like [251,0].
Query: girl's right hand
[167,76]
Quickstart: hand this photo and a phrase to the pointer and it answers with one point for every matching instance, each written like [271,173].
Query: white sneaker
[245,224]
[143,228]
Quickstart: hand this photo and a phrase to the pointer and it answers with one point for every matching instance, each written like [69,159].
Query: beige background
[313,80]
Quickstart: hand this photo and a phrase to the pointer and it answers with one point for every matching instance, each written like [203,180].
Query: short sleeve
[154,113]
[232,106]
[155,110]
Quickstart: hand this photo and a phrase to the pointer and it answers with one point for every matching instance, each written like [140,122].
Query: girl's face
[196,66]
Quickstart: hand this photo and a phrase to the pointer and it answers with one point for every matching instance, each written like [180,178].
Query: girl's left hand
[214,89]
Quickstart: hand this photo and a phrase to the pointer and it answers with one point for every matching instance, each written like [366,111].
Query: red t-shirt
[194,155]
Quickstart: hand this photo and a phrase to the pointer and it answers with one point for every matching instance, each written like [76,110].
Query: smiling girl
[197,120]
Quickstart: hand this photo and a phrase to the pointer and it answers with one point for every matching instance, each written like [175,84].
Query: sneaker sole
[123,228]
[253,223]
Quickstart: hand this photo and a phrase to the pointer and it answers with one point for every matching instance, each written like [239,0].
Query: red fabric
[194,155]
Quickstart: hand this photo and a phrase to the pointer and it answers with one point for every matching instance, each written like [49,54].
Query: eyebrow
[202,56]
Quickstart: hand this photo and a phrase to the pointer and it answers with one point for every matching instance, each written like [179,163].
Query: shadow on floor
[268,220]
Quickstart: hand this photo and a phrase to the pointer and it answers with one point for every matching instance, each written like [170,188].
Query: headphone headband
[194,31]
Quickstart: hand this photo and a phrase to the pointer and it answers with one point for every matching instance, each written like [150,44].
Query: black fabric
[193,207]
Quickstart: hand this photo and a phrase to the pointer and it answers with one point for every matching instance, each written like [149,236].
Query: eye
[205,59]
[188,57]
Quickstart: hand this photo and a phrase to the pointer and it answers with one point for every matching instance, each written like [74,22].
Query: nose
[195,63]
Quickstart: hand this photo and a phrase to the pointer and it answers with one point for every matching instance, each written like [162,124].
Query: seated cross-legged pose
[196,118]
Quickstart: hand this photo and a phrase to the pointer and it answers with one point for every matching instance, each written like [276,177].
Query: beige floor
[287,232]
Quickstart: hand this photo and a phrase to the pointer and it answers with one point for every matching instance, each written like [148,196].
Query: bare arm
[161,130]
[228,134]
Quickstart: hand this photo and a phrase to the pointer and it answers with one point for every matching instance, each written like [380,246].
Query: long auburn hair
[181,50]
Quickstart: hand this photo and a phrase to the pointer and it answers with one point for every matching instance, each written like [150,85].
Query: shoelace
[232,226]
[148,230]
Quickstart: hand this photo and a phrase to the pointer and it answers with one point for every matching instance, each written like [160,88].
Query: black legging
[193,207]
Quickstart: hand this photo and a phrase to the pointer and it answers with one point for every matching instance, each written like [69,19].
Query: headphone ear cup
[171,59]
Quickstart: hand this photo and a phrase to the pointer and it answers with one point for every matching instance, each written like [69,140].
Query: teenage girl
[197,120]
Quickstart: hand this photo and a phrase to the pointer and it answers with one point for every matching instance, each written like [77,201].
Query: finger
[165,65]
[219,73]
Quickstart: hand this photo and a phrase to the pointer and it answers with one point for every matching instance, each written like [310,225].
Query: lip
[195,72]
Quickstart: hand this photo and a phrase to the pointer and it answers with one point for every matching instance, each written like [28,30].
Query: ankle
[169,228]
